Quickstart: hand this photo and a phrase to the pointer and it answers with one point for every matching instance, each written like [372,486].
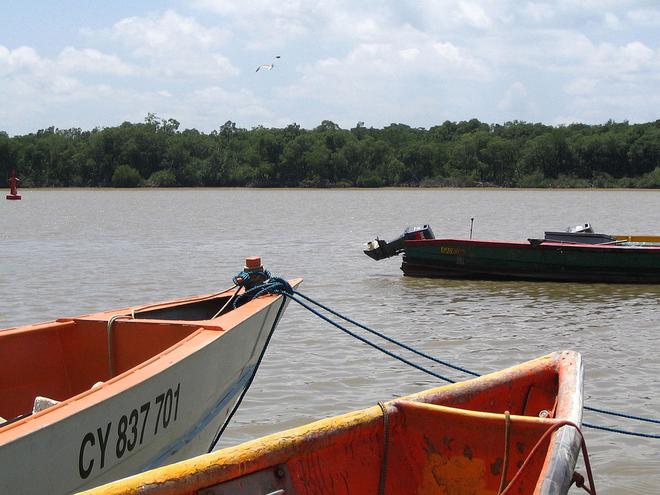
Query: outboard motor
[379,249]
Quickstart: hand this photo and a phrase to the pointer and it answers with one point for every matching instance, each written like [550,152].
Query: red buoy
[13,186]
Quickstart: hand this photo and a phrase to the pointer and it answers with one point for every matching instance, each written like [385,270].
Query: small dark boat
[577,255]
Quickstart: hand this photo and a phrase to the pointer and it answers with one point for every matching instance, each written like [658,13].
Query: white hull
[149,417]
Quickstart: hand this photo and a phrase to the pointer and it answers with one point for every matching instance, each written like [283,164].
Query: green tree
[644,152]
[453,153]
[501,156]
[126,176]
[548,154]
[161,178]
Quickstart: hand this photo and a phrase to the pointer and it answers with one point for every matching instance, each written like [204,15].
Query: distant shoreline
[467,154]
[352,188]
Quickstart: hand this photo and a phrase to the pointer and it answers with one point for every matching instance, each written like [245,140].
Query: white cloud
[645,17]
[370,67]
[29,77]
[612,21]
[35,87]
[572,54]
[473,15]
[23,58]
[409,53]
[634,57]
[172,45]
[580,86]
[591,6]
[92,61]
[64,85]
[413,61]
[386,81]
[270,24]
[454,58]
[27,61]
[270,8]
[515,101]
[539,12]
[153,35]
[219,104]
[611,104]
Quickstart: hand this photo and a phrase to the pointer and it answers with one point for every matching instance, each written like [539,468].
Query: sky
[84,64]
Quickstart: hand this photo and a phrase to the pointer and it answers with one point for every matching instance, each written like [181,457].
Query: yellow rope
[386,441]
[505,464]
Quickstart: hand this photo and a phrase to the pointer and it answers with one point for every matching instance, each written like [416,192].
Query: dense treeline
[469,153]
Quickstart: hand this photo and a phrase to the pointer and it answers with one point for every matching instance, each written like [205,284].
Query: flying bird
[267,66]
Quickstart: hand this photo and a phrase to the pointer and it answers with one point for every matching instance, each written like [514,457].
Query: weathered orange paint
[444,441]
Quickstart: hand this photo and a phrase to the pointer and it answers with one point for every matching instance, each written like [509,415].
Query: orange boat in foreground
[506,432]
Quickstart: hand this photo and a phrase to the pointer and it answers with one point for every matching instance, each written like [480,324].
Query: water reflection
[538,291]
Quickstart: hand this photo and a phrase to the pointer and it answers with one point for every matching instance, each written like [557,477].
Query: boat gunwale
[556,475]
[527,245]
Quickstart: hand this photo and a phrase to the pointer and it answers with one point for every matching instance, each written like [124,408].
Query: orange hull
[448,440]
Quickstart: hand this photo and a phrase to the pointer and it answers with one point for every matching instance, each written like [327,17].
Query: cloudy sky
[80,63]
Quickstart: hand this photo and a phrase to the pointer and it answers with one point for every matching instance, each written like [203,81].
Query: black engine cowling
[379,249]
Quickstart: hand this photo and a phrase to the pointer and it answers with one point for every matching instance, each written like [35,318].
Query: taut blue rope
[622,415]
[622,432]
[372,344]
[276,285]
[389,339]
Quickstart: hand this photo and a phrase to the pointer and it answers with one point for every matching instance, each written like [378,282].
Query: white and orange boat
[98,397]
[513,431]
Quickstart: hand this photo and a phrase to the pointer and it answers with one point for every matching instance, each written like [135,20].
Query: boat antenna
[471,224]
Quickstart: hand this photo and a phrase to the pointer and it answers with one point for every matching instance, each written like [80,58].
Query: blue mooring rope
[617,430]
[276,285]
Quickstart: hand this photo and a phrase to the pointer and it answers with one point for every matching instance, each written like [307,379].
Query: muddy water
[67,252]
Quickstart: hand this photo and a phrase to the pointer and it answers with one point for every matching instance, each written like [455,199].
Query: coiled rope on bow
[271,285]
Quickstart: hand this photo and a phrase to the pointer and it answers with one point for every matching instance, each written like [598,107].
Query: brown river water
[68,252]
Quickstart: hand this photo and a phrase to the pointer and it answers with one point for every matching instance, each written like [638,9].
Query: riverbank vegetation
[459,154]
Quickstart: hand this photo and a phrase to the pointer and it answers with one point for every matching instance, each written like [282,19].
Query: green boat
[577,255]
